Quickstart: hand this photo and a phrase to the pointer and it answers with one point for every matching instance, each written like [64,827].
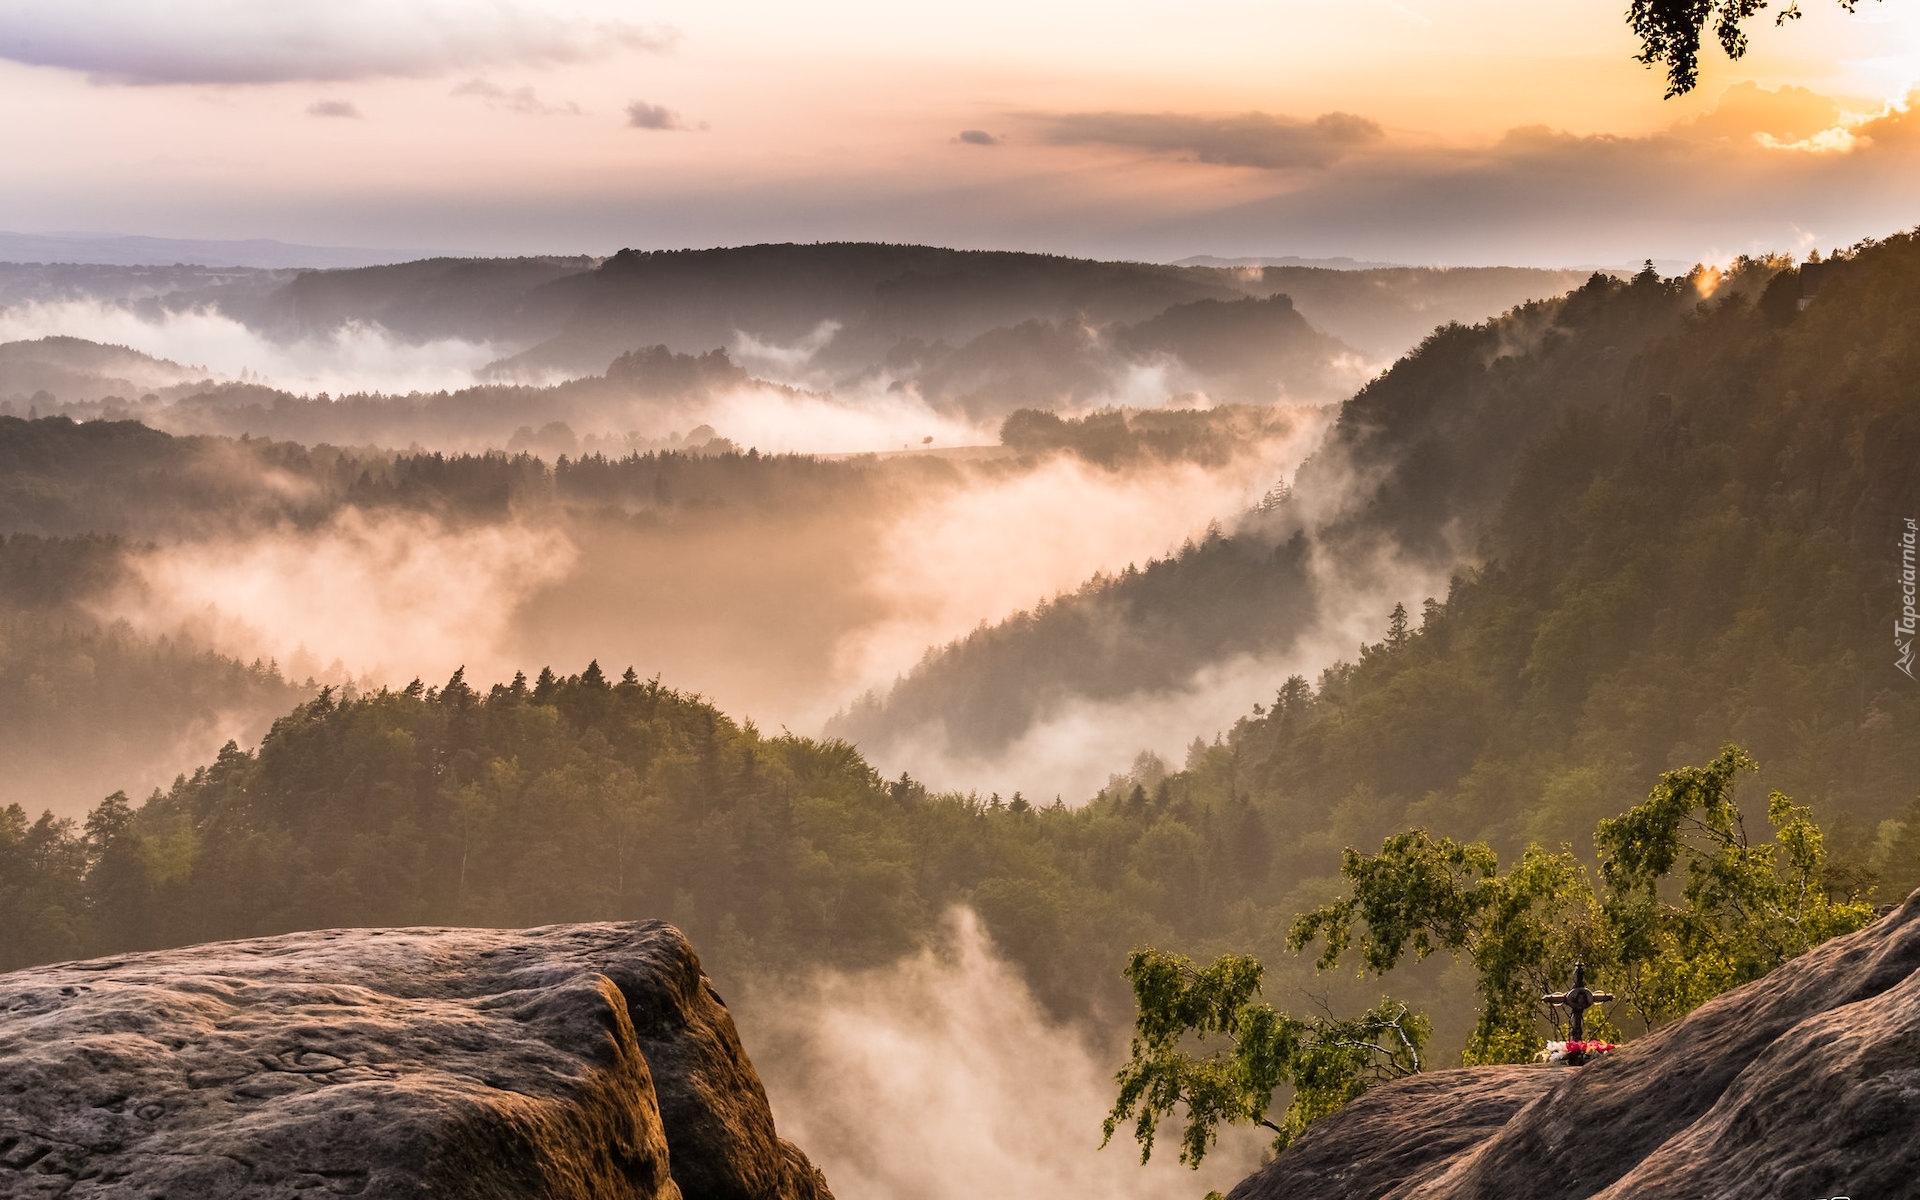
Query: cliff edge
[1804,1083]
[562,1063]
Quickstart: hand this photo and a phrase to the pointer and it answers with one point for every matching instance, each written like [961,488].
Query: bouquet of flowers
[1557,1052]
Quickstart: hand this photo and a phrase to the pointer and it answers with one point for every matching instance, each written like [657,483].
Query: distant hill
[886,296]
[981,334]
[78,371]
[479,299]
[146,290]
[1339,262]
[1385,311]
[879,295]
[982,331]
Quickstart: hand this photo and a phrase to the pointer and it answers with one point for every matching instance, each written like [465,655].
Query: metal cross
[1577,1000]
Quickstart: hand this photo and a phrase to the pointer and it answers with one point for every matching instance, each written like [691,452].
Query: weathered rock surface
[1803,1084]
[571,1061]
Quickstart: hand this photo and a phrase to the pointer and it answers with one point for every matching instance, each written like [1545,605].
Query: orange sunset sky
[1424,131]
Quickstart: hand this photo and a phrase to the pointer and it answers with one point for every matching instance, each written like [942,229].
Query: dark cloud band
[641,115]
[1253,139]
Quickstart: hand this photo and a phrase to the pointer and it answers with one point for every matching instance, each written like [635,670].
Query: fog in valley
[1027,530]
[939,1077]
[783,589]
[197,345]
[758,602]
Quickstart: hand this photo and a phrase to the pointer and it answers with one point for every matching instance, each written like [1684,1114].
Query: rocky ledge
[567,1062]
[1805,1083]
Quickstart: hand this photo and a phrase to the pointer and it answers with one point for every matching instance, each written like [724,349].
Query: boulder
[571,1061]
[1803,1084]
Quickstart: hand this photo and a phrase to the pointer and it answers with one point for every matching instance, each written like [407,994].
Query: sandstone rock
[1800,1085]
[1393,1135]
[572,1061]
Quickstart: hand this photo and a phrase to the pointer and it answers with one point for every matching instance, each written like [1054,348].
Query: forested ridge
[1411,473]
[1696,548]
[61,477]
[579,798]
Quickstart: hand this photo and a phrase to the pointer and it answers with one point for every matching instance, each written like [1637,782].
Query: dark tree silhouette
[1670,32]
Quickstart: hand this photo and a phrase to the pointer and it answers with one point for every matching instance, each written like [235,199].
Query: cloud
[1748,112]
[782,421]
[977,137]
[263,41]
[515,100]
[641,115]
[1754,175]
[1897,127]
[333,108]
[1253,139]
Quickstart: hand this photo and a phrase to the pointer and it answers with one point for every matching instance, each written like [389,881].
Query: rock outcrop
[1803,1084]
[564,1063]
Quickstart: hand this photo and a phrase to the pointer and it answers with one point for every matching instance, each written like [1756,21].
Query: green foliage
[1205,1049]
[1897,853]
[1748,907]
[1324,1060]
[43,898]
[1522,930]
[1745,908]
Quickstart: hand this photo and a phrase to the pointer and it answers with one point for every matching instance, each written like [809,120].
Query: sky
[1424,131]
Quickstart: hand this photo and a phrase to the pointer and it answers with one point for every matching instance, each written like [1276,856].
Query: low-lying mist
[778,420]
[394,384]
[98,727]
[952,560]
[779,611]
[784,606]
[381,597]
[939,1077]
[1075,744]
[356,357]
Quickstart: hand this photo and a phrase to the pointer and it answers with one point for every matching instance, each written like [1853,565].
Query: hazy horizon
[1404,131]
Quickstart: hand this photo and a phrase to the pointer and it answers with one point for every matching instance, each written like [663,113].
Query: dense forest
[1696,543]
[61,477]
[578,798]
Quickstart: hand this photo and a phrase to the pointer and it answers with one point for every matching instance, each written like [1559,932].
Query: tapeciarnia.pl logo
[1908,621]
